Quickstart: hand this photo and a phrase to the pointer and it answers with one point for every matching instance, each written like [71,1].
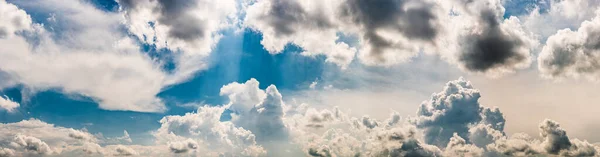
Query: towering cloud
[206,134]
[455,110]
[573,53]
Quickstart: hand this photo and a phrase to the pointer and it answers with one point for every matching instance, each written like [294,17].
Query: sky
[299,78]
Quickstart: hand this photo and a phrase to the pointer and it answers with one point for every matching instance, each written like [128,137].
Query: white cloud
[477,131]
[96,60]
[31,144]
[573,53]
[190,27]
[308,24]
[212,136]
[560,14]
[6,152]
[7,104]
[454,110]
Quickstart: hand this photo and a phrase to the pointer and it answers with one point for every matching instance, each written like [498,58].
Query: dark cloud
[415,22]
[493,47]
[176,14]
[285,15]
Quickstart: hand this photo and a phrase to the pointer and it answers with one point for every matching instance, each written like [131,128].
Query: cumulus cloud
[260,111]
[6,152]
[390,34]
[125,151]
[190,27]
[31,144]
[572,53]
[211,136]
[183,146]
[454,110]
[7,104]
[308,24]
[473,34]
[473,130]
[547,17]
[483,41]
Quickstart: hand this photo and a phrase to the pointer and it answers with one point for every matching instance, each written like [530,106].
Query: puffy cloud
[454,110]
[457,146]
[392,33]
[190,27]
[572,53]
[19,20]
[183,146]
[7,104]
[6,152]
[125,151]
[90,56]
[473,34]
[31,144]
[547,17]
[474,131]
[260,111]
[483,41]
[211,135]
[555,142]
[308,24]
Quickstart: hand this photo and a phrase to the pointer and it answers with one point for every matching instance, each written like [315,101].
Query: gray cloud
[573,53]
[454,110]
[417,22]
[492,46]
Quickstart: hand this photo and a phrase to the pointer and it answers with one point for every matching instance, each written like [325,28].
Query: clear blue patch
[523,7]
[106,5]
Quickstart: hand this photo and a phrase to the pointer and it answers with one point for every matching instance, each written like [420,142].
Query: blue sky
[361,85]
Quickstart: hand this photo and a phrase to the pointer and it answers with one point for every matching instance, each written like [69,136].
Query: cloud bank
[451,123]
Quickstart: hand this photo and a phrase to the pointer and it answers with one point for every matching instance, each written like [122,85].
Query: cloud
[472,34]
[483,41]
[7,104]
[547,17]
[457,146]
[390,29]
[454,110]
[309,24]
[555,142]
[211,135]
[473,130]
[183,146]
[6,152]
[31,144]
[260,111]
[89,56]
[189,27]
[572,53]
[125,151]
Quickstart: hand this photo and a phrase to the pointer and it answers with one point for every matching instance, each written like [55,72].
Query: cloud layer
[451,123]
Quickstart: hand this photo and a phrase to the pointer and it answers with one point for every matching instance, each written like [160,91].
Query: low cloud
[263,125]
